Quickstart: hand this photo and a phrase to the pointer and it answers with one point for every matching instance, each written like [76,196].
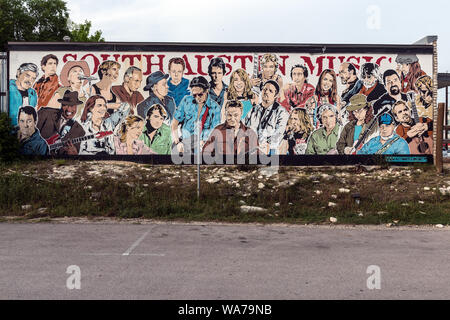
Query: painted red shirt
[297,99]
[45,89]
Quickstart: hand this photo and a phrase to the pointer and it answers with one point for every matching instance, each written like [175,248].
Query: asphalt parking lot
[213,261]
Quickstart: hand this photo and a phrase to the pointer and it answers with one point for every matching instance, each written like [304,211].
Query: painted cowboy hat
[70,98]
[64,76]
[357,102]
[154,78]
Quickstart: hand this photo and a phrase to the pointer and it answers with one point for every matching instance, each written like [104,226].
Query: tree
[40,20]
[80,32]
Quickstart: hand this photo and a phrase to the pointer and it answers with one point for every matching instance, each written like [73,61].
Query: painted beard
[395,90]
[369,84]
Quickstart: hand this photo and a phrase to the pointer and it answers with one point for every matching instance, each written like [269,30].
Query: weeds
[170,194]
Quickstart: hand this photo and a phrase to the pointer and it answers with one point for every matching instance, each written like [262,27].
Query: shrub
[9,144]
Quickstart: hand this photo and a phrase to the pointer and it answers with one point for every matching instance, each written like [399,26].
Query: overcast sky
[278,21]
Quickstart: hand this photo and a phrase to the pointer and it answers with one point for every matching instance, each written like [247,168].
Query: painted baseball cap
[385,118]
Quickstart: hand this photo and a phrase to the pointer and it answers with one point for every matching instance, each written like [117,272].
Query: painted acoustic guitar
[422,144]
[362,138]
[54,142]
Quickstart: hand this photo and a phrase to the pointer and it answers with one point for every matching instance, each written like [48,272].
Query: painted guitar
[422,144]
[360,142]
[54,142]
[256,89]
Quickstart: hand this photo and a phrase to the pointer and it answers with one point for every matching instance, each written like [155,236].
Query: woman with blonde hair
[297,131]
[240,89]
[127,139]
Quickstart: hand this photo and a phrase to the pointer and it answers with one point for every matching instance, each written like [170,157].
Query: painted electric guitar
[422,144]
[256,89]
[55,143]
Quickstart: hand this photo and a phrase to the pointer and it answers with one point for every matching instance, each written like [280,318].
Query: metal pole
[198,158]
[446,113]
[439,133]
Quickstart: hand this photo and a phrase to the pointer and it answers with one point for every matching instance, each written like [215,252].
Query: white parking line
[134,245]
[121,254]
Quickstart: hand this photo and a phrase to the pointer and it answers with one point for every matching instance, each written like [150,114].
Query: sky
[279,21]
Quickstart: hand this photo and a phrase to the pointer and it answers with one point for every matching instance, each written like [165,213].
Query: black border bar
[283,160]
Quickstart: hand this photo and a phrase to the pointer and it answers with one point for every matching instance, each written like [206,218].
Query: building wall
[271,125]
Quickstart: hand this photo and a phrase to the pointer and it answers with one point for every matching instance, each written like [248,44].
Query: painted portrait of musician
[296,103]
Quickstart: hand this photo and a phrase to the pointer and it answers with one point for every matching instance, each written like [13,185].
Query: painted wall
[90,103]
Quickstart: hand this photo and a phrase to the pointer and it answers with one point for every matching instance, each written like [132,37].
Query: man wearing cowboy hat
[70,79]
[157,85]
[61,121]
[360,115]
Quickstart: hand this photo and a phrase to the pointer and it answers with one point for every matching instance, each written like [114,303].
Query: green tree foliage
[40,20]
[80,32]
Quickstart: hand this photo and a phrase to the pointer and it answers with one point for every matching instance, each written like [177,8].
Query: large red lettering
[94,59]
[227,65]
[74,56]
[242,59]
[188,67]
[282,67]
[358,60]
[319,63]
[131,57]
[367,58]
[199,64]
[150,64]
[378,62]
[331,62]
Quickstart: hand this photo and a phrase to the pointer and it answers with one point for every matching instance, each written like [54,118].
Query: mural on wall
[98,103]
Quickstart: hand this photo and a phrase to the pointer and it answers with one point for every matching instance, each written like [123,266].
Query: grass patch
[169,193]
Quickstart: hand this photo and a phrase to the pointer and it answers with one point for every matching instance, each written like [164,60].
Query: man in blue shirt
[217,88]
[21,92]
[198,107]
[31,141]
[178,86]
[388,142]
